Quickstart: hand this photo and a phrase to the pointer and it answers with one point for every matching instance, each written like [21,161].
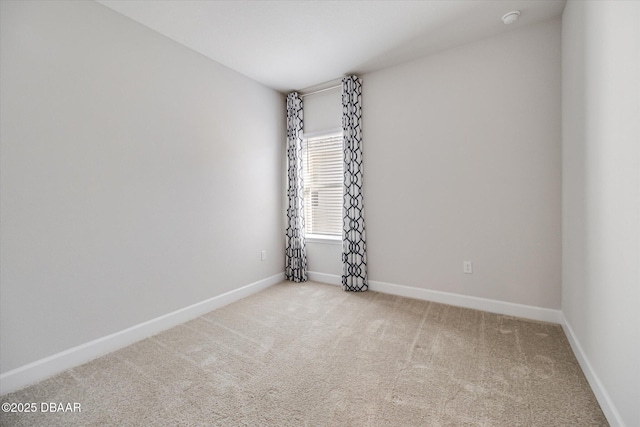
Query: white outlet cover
[467,267]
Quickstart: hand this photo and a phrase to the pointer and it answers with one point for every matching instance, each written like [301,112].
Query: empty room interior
[322,213]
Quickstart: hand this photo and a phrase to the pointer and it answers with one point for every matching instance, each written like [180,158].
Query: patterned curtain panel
[354,254]
[295,252]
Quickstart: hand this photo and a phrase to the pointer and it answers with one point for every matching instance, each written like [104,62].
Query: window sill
[319,238]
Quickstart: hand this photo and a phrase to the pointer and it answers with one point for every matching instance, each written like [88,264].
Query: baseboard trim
[484,304]
[330,279]
[466,301]
[606,404]
[44,368]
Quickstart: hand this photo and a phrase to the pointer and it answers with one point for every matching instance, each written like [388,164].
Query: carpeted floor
[310,354]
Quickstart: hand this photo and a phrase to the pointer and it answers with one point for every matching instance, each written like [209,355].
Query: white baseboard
[606,404]
[36,371]
[330,279]
[484,304]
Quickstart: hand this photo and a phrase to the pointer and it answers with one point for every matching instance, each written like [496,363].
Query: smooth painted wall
[462,163]
[323,112]
[601,194]
[137,177]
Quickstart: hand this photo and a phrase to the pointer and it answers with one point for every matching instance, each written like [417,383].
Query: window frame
[322,238]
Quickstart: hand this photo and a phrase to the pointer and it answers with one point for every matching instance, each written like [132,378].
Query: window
[322,158]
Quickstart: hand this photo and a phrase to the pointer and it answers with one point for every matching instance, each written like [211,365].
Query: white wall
[322,112]
[137,177]
[462,162]
[601,195]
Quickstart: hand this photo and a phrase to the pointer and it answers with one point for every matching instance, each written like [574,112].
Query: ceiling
[293,45]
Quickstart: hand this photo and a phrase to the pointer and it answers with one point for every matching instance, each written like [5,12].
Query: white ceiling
[292,45]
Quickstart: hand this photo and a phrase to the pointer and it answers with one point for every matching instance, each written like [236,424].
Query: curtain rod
[321,90]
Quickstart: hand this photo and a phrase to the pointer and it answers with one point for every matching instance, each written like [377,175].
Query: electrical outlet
[467,267]
[263,255]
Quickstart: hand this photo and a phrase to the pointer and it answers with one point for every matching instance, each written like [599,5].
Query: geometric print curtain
[354,250]
[295,251]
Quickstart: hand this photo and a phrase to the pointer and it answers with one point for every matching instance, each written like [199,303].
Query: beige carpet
[310,354]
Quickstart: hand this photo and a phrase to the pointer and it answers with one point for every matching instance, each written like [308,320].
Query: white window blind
[322,166]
